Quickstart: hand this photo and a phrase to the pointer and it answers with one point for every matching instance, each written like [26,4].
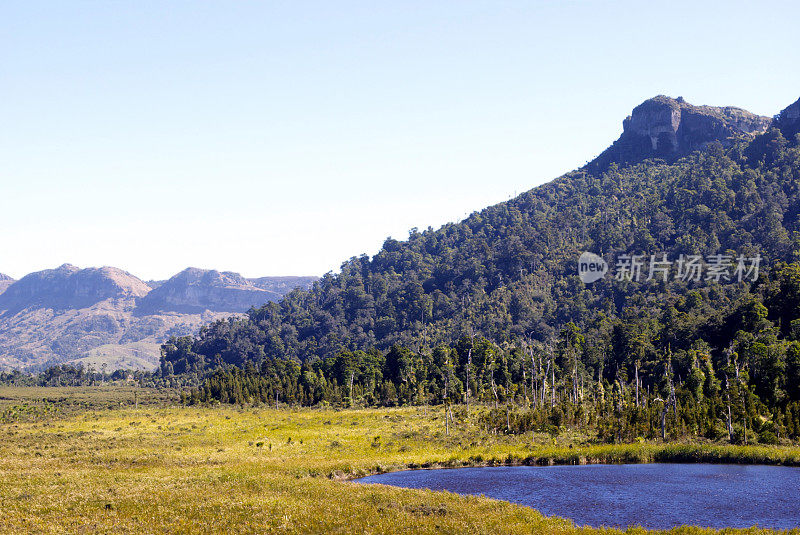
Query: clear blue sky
[284,137]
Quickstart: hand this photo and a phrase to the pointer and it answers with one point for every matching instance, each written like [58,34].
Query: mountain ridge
[194,290]
[509,270]
[68,313]
[70,287]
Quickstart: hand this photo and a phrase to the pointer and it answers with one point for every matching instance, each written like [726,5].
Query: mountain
[68,287]
[196,290]
[662,127]
[5,282]
[681,179]
[279,285]
[106,315]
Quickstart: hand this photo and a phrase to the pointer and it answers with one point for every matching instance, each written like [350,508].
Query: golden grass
[167,469]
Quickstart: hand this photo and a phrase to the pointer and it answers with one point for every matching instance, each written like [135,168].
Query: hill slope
[509,271]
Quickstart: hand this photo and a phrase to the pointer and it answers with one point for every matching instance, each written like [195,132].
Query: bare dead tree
[524,384]
[671,401]
[446,373]
[600,390]
[352,378]
[466,386]
[532,354]
[544,373]
[729,419]
[494,389]
[553,384]
[469,366]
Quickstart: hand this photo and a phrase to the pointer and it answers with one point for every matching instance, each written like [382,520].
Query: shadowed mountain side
[788,120]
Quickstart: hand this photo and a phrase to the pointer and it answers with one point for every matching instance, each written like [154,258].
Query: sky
[282,138]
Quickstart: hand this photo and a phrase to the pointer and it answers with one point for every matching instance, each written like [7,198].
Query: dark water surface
[656,496]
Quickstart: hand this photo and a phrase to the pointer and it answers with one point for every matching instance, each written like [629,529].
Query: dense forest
[713,363]
[491,309]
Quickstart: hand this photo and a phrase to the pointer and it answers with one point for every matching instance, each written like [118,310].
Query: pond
[656,496]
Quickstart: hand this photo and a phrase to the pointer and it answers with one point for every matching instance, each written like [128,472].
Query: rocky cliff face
[5,282]
[788,120]
[668,128]
[196,290]
[69,287]
[108,316]
[282,285]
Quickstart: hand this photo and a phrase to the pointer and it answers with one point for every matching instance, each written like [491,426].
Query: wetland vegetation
[170,468]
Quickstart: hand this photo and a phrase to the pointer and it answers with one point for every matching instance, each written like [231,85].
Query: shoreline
[618,454]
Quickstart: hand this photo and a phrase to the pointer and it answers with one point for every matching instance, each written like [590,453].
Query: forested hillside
[494,302]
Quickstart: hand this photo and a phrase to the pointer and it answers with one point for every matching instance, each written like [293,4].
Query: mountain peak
[210,277]
[669,128]
[70,287]
[195,290]
[66,268]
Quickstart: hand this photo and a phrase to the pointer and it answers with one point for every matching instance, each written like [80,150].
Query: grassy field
[168,469]
[33,403]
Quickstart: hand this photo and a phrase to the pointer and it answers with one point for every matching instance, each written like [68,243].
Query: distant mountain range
[106,316]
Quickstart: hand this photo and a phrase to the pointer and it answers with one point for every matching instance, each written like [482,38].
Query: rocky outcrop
[195,290]
[5,282]
[788,120]
[668,128]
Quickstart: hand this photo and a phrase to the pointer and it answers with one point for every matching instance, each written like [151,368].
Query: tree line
[721,363]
